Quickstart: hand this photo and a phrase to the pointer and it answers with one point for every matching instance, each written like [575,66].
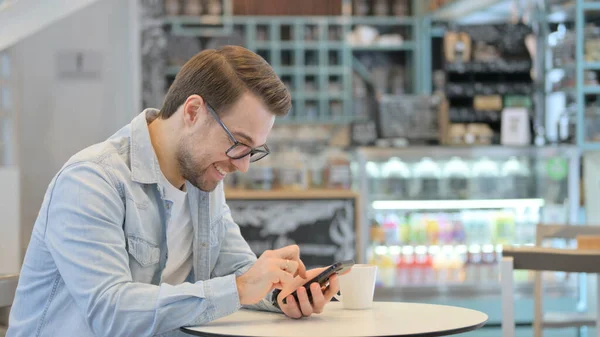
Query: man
[134,237]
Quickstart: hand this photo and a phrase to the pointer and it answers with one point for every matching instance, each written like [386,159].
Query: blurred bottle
[377,233]
[260,175]
[460,262]
[380,8]
[316,170]
[338,174]
[408,263]
[504,231]
[391,226]
[485,226]
[473,263]
[395,176]
[485,179]
[446,230]
[443,265]
[516,179]
[467,218]
[458,230]
[418,231]
[457,175]
[193,7]
[489,269]
[405,231]
[426,180]
[374,178]
[420,269]
[172,7]
[291,170]
[433,229]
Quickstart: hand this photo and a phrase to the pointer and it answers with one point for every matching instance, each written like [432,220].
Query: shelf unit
[318,70]
[7,108]
[581,9]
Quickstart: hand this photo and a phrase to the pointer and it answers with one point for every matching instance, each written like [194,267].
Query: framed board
[324,225]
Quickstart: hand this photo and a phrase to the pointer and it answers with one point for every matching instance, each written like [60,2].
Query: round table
[384,319]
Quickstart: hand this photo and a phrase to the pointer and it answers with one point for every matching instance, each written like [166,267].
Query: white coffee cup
[357,287]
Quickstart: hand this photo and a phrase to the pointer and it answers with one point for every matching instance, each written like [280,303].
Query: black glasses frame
[255,154]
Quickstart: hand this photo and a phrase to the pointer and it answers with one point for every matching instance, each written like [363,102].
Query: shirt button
[168,205]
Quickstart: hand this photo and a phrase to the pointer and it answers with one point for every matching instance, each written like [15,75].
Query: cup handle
[338,297]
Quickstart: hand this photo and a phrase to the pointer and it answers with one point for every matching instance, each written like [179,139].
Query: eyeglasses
[240,150]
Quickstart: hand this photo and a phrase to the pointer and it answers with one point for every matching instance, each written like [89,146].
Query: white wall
[21,18]
[9,223]
[59,116]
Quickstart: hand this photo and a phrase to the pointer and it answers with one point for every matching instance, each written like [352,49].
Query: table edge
[425,334]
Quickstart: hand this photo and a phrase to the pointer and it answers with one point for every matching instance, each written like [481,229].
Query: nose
[241,164]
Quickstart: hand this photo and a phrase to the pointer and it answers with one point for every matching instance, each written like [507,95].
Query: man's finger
[291,308]
[332,289]
[305,305]
[318,300]
[292,252]
[289,266]
[301,269]
[288,252]
[282,277]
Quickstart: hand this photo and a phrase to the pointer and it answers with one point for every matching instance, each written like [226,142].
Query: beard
[193,169]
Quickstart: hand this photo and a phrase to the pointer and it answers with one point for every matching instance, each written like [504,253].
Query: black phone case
[323,278]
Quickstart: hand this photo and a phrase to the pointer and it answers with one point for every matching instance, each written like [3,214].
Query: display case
[436,218]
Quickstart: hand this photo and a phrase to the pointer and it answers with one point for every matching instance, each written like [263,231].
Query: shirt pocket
[145,253]
[216,231]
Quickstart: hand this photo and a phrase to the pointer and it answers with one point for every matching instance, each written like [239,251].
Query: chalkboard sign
[324,229]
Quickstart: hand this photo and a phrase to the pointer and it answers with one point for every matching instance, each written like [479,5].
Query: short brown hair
[222,76]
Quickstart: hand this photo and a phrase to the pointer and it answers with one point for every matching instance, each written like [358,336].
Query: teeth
[220,170]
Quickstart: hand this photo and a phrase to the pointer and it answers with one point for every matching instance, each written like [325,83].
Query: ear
[193,109]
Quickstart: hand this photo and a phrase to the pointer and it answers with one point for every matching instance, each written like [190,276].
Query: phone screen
[323,278]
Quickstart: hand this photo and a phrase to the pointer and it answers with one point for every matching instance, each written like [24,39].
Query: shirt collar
[144,164]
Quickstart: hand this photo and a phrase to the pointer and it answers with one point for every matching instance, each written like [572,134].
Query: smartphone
[323,278]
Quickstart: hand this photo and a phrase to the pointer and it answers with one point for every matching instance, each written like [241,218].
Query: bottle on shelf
[374,178]
[407,265]
[432,228]
[485,179]
[391,227]
[405,230]
[338,174]
[504,228]
[395,176]
[426,180]
[516,179]
[193,7]
[472,264]
[458,230]
[489,268]
[457,177]
[446,229]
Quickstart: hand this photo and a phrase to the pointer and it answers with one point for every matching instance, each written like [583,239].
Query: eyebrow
[244,136]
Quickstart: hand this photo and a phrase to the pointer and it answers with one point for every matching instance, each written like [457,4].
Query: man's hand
[273,269]
[304,308]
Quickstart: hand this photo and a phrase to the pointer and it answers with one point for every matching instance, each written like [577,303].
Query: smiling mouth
[220,170]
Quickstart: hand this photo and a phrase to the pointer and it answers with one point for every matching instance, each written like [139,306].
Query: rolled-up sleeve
[236,257]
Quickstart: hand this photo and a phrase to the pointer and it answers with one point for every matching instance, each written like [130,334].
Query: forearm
[264,305]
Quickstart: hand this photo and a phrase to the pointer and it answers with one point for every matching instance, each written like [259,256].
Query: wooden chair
[547,259]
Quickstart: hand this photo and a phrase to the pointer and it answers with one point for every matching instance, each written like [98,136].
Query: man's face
[201,150]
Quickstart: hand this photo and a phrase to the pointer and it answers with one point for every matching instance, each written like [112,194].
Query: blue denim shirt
[98,248]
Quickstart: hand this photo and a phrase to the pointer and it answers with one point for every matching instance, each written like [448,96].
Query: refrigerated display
[436,218]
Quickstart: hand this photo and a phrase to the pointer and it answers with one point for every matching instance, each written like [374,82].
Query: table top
[384,319]
[554,259]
